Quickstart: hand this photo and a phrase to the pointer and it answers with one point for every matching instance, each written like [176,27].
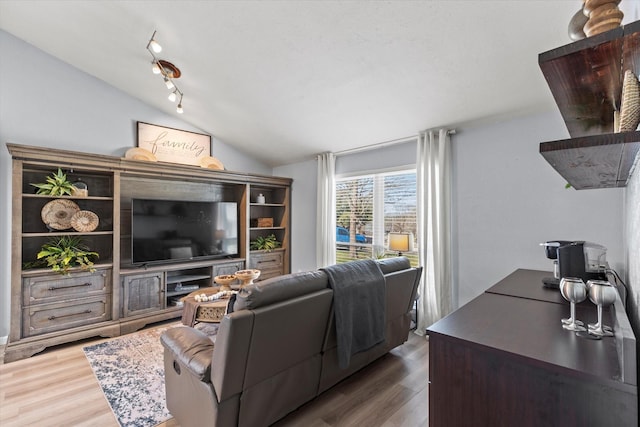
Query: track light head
[179,107]
[169,83]
[153,44]
[173,96]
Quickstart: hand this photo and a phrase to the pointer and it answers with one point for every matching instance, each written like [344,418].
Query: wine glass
[573,290]
[598,324]
[602,294]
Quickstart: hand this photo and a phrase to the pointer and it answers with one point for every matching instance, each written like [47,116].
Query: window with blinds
[368,208]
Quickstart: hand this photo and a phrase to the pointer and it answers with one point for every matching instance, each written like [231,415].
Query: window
[368,208]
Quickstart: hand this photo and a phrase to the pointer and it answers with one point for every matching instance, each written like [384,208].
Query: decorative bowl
[247,276]
[225,281]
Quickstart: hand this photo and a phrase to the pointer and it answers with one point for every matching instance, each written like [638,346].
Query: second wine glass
[574,290]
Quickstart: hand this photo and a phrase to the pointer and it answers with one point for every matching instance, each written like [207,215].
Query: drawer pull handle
[57,288]
[67,315]
[268,260]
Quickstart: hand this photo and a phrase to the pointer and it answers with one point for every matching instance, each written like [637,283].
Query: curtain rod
[382,144]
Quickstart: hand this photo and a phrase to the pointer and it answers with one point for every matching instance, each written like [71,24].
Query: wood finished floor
[58,388]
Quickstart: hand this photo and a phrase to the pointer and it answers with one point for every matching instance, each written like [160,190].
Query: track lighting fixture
[167,70]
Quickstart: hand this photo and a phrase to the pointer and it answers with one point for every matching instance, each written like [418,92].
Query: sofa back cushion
[389,265]
[280,288]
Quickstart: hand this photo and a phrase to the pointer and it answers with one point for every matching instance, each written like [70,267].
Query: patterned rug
[130,370]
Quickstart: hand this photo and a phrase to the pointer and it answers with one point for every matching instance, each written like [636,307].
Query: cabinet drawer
[50,288]
[266,260]
[44,318]
[227,268]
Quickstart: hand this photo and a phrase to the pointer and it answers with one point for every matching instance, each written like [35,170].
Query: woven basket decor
[84,221]
[630,106]
[57,213]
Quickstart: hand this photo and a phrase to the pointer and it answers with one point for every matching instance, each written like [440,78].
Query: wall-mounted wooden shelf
[585,78]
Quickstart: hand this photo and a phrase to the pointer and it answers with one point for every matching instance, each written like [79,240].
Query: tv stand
[48,309]
[150,295]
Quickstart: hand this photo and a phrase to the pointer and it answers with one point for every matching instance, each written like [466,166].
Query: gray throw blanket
[359,306]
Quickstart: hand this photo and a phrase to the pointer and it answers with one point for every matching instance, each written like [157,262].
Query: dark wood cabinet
[504,359]
[585,78]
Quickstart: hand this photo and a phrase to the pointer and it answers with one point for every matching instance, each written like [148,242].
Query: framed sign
[174,145]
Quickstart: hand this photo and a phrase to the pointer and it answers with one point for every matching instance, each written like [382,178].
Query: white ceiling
[284,80]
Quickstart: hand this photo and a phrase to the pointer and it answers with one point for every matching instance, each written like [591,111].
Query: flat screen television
[178,230]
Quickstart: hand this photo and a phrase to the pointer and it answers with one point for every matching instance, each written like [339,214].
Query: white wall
[303,213]
[632,249]
[508,199]
[45,102]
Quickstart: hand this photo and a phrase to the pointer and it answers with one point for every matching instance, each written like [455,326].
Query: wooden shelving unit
[585,78]
[48,309]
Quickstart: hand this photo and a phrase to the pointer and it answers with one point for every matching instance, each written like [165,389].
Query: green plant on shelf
[267,244]
[64,252]
[57,185]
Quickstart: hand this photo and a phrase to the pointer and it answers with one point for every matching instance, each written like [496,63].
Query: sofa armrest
[192,348]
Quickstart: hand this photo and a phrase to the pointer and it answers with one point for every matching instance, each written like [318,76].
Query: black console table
[504,359]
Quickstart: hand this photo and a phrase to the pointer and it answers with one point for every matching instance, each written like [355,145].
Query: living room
[506,198]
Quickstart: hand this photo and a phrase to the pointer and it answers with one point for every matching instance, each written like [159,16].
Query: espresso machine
[584,260]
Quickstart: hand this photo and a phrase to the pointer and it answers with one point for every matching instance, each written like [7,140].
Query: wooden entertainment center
[48,308]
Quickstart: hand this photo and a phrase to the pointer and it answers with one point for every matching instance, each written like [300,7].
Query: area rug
[130,370]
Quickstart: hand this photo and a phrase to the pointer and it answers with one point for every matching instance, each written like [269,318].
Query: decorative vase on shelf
[80,188]
[260,199]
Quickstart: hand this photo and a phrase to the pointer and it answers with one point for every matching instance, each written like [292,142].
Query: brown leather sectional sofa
[275,351]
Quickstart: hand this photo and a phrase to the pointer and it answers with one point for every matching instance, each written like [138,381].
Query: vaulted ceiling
[284,80]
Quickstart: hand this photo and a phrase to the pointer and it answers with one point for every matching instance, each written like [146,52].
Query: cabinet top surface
[520,318]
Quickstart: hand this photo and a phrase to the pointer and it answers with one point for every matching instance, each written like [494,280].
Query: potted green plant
[64,252]
[266,244]
[57,185]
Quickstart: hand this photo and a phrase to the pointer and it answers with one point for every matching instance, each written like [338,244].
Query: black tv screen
[178,230]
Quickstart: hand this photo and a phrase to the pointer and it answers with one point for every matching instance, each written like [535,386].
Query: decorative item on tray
[247,277]
[210,162]
[202,297]
[137,153]
[225,281]
[84,221]
[57,213]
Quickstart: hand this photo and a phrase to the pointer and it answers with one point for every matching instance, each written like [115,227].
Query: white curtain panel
[433,173]
[326,220]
